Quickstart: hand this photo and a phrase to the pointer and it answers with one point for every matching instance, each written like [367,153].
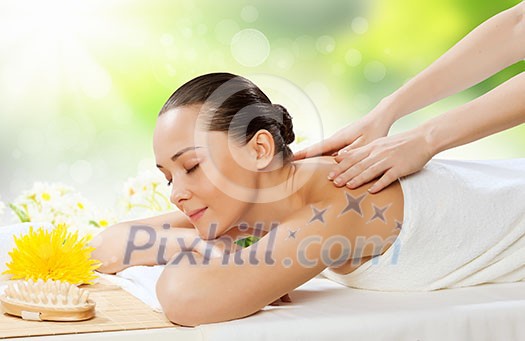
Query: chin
[212,230]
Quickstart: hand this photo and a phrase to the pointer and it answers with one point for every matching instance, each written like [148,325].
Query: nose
[179,193]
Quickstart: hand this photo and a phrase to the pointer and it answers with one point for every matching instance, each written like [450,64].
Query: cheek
[236,171]
[233,164]
[225,173]
[225,208]
[223,214]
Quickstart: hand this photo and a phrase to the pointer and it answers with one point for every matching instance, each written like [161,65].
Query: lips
[196,214]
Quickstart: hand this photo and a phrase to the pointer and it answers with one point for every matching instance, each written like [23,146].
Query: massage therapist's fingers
[358,142]
[301,154]
[354,150]
[326,147]
[346,163]
[354,171]
[368,174]
[387,178]
[341,138]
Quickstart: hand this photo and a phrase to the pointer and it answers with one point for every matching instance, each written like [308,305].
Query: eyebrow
[180,152]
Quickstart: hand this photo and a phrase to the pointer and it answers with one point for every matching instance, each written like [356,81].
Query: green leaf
[245,242]
[24,218]
[92,222]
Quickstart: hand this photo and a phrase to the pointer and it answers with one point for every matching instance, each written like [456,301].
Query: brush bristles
[48,294]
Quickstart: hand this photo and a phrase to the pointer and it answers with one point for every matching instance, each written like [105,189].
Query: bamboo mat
[116,310]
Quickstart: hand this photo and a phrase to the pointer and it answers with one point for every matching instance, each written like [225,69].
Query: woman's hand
[392,157]
[285,298]
[374,125]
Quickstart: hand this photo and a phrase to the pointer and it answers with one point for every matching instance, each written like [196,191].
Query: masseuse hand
[390,157]
[363,131]
[354,152]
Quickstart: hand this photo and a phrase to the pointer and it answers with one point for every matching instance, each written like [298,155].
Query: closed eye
[192,169]
[188,171]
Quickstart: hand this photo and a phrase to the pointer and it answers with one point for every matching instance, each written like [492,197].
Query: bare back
[373,221]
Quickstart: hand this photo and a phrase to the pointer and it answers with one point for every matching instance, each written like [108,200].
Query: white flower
[145,194]
[57,203]
[2,207]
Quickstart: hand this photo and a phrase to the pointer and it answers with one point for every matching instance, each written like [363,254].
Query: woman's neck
[277,196]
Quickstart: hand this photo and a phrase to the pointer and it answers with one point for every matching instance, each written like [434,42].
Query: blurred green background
[81,82]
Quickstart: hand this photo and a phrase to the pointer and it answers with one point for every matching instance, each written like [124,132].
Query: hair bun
[286,125]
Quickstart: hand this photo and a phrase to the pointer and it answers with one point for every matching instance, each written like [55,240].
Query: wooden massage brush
[47,301]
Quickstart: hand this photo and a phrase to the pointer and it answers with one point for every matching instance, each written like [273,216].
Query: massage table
[324,310]
[321,309]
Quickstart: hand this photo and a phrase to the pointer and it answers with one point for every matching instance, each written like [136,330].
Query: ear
[262,147]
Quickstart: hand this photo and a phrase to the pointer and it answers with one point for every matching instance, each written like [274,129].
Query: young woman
[223,147]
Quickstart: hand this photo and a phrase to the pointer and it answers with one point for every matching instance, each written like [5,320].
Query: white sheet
[324,310]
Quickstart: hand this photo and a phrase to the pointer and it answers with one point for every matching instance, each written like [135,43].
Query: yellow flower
[56,255]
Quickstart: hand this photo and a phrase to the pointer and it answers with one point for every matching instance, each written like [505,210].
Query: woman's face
[212,178]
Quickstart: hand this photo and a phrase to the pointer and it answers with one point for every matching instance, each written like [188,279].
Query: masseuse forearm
[492,46]
[497,110]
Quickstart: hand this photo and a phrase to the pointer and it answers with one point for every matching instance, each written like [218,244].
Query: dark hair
[235,105]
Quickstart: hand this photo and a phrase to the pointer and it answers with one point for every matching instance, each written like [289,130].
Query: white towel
[464,225]
[140,281]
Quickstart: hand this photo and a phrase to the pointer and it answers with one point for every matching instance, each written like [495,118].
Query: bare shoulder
[312,174]
[370,222]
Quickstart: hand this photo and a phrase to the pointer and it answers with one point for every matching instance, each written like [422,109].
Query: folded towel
[140,281]
[464,224]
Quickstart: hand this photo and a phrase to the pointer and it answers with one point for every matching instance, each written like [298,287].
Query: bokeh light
[359,25]
[82,81]
[250,47]
[375,71]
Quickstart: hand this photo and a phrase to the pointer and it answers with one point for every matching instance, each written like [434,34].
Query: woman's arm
[492,46]
[175,219]
[146,241]
[497,110]
[194,289]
